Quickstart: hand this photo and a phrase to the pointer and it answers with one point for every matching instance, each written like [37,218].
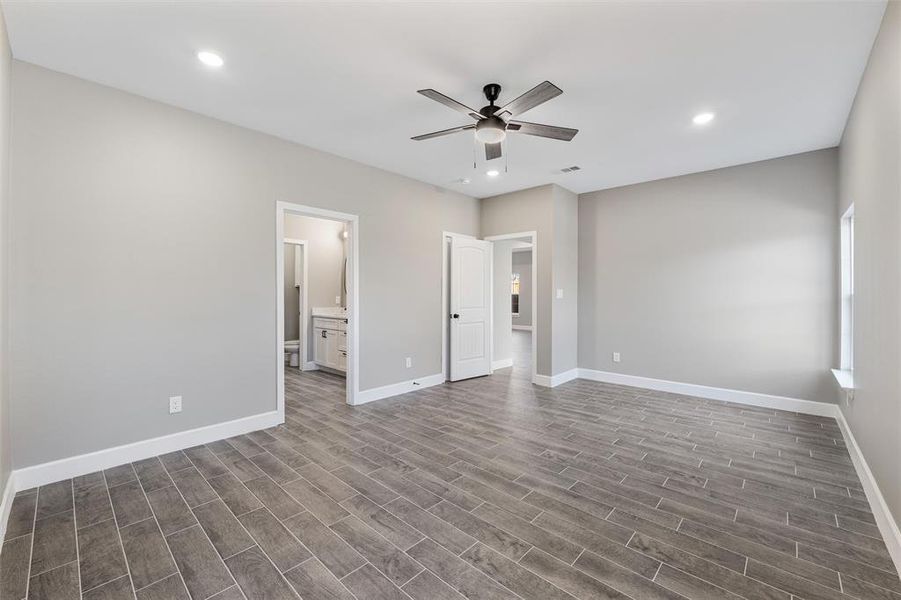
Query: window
[514,292]
[847,275]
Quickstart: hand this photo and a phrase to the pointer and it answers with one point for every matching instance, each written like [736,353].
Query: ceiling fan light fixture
[491,130]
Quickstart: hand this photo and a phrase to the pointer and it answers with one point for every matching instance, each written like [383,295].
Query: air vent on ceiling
[570,169]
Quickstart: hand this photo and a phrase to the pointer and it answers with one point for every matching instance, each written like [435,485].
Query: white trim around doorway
[353,300]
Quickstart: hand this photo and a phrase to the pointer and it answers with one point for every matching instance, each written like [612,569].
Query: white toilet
[292,347]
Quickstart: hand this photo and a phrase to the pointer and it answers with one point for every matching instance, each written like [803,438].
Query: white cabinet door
[332,349]
[320,346]
[470,308]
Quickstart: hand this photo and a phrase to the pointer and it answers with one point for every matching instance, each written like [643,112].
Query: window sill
[844,378]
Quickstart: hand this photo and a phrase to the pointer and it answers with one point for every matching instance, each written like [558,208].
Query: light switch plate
[409,362]
[559,293]
[616,357]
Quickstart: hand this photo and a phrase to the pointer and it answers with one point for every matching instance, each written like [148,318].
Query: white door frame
[534,237]
[305,363]
[353,298]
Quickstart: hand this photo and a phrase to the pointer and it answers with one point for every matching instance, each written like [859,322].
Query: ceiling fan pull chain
[506,157]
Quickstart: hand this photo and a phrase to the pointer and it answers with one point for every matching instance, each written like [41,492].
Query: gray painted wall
[522,264]
[552,212]
[725,278]
[186,303]
[325,261]
[529,210]
[870,167]
[566,278]
[5,429]
[502,317]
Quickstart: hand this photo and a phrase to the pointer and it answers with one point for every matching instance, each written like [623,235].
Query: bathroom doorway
[317,281]
[296,298]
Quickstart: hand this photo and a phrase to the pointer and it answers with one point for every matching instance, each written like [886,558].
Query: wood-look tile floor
[488,488]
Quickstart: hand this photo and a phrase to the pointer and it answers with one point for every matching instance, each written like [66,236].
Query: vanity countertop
[330,312]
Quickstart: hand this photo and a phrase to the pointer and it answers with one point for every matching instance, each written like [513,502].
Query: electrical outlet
[409,362]
[559,293]
[174,404]
[616,357]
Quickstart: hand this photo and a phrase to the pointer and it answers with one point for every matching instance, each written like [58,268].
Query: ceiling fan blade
[539,94]
[434,134]
[492,151]
[547,131]
[451,103]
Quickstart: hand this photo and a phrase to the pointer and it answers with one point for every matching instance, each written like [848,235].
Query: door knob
[455,316]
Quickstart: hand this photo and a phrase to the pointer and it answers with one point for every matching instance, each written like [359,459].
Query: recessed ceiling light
[210,59]
[703,118]
[493,173]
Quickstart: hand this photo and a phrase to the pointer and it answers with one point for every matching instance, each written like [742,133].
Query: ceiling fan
[493,122]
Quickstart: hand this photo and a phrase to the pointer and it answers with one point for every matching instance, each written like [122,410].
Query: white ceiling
[780,76]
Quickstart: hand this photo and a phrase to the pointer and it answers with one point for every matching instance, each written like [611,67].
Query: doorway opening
[318,304]
[515,301]
[480,274]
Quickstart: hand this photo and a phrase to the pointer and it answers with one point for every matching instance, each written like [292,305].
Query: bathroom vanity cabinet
[330,347]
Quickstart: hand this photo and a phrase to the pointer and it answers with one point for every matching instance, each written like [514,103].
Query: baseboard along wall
[502,363]
[66,468]
[396,389]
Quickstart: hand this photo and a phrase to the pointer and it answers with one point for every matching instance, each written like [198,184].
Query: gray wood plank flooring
[487,488]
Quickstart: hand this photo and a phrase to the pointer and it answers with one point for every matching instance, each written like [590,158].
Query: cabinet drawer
[342,324]
[324,323]
[342,341]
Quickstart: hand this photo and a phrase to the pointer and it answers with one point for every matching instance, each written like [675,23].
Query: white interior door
[470,308]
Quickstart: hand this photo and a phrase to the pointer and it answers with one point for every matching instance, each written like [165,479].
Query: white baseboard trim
[523,327]
[6,505]
[395,389]
[502,364]
[809,407]
[83,464]
[555,380]
[888,527]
